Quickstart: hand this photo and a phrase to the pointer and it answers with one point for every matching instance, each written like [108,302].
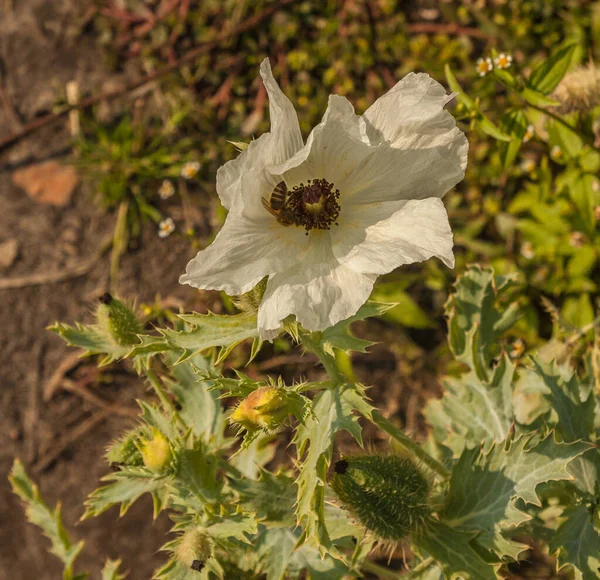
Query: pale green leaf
[197,475]
[211,330]
[48,520]
[485,485]
[111,570]
[463,98]
[577,543]
[454,553]
[538,99]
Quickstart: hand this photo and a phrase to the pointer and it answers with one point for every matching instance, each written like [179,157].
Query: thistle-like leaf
[473,412]
[485,485]
[577,543]
[454,553]
[333,411]
[211,330]
[111,570]
[48,520]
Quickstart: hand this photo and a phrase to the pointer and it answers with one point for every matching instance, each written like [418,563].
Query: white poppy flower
[363,197]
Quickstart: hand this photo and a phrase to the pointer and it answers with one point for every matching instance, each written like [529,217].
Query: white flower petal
[421,154]
[320,292]
[376,239]
[247,249]
[333,149]
[280,144]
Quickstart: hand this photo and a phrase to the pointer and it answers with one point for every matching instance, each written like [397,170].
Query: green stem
[378,570]
[312,342]
[405,441]
[161,393]
[564,123]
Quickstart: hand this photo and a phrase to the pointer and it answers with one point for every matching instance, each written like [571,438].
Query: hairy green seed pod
[124,451]
[118,321]
[389,495]
[194,549]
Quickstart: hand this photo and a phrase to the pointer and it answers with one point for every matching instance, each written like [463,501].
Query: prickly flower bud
[264,408]
[118,321]
[194,549]
[388,494]
[250,301]
[579,90]
[156,452]
[125,451]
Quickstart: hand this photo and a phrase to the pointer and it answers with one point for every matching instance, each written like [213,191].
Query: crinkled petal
[375,239]
[319,291]
[247,249]
[283,141]
[420,153]
[334,148]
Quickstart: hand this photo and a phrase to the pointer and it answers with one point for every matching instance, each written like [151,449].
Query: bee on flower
[503,61]
[190,169]
[484,66]
[322,219]
[166,190]
[529,133]
[166,227]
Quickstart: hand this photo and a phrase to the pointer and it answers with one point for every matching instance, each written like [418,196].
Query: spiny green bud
[156,452]
[250,301]
[579,90]
[387,494]
[124,451]
[194,549]
[265,408]
[118,321]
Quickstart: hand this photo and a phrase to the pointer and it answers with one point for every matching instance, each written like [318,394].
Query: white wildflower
[190,169]
[556,152]
[529,133]
[503,61]
[166,190]
[166,227]
[576,239]
[484,66]
[323,219]
[528,165]
[527,250]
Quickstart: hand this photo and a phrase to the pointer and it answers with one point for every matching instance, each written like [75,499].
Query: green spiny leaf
[41,515]
[577,543]
[485,485]
[111,570]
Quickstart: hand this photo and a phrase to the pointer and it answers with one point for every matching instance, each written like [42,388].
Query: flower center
[313,206]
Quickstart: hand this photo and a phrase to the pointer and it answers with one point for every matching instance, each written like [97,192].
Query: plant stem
[161,393]
[380,571]
[312,342]
[564,123]
[405,441]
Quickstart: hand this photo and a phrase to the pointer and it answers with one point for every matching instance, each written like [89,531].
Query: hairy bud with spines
[265,408]
[125,451]
[389,495]
[194,549]
[156,452]
[118,321]
[579,90]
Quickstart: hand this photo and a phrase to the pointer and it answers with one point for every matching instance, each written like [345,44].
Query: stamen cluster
[315,205]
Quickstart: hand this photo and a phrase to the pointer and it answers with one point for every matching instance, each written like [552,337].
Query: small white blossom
[556,152]
[576,239]
[190,169]
[166,190]
[596,186]
[166,227]
[484,66]
[527,250]
[503,61]
[518,348]
[529,133]
[528,165]
[323,219]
